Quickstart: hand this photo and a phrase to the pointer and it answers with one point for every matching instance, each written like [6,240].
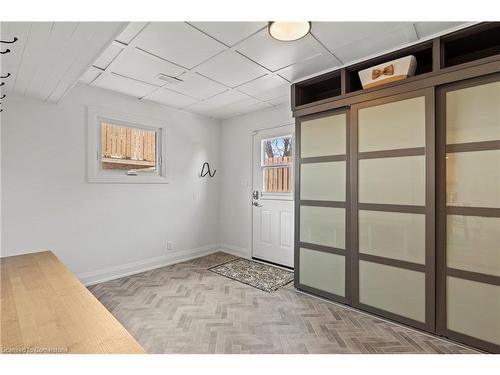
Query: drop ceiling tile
[230,69]
[197,86]
[90,75]
[334,35]
[274,54]
[428,28]
[229,33]
[124,85]
[170,98]
[281,100]
[236,108]
[178,42]
[145,67]
[309,67]
[108,56]
[266,88]
[249,105]
[132,29]
[217,102]
[375,44]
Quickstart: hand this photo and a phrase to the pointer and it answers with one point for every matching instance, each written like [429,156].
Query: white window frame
[276,195]
[95,173]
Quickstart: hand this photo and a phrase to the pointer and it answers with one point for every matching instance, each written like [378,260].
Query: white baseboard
[122,270]
[235,250]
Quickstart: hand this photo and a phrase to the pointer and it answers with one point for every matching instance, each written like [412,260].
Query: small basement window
[128,148]
[125,148]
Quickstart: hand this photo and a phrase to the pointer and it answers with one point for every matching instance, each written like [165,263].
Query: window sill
[119,179]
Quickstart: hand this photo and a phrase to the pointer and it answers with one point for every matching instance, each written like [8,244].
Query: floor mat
[258,275]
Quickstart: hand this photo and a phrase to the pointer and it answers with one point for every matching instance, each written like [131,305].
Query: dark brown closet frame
[428,209]
[299,203]
[450,70]
[443,210]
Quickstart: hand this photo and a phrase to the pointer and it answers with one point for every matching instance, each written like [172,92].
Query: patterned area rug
[258,275]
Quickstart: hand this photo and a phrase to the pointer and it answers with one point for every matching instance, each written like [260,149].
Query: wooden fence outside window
[277,179]
[127,148]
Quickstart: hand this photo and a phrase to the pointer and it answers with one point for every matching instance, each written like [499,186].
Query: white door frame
[249,192]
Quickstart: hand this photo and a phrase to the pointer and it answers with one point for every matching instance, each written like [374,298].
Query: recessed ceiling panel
[231,69]
[229,33]
[274,54]
[178,42]
[266,88]
[124,85]
[197,86]
[108,55]
[130,32]
[170,98]
[144,67]
[309,67]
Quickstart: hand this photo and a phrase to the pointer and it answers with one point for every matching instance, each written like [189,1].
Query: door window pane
[393,125]
[473,114]
[393,235]
[473,309]
[473,243]
[392,289]
[473,178]
[277,165]
[398,180]
[323,136]
[323,181]
[323,226]
[323,271]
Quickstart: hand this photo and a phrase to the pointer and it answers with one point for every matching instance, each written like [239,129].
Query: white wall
[236,174]
[103,230]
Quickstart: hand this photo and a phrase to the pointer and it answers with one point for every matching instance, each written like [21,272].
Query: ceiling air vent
[168,79]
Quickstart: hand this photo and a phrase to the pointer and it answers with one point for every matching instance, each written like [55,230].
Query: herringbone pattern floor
[185,308]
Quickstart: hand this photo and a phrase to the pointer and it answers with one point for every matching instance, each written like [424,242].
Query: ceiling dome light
[288,31]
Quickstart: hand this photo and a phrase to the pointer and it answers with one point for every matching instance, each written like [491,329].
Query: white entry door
[272,196]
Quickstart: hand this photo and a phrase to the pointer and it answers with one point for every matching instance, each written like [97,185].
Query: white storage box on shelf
[390,71]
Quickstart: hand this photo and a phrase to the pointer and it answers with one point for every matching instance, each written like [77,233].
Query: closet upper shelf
[436,56]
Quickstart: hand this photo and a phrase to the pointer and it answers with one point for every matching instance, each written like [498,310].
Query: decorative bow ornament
[387,71]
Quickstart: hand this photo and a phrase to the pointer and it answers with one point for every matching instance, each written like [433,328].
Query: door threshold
[272,263]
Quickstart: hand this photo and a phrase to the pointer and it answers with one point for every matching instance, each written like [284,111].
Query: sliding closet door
[469,212]
[392,207]
[321,255]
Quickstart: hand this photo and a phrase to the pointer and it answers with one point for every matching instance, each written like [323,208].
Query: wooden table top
[45,309]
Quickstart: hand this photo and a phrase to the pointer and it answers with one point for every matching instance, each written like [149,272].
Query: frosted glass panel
[392,126]
[323,226]
[323,181]
[392,289]
[323,136]
[392,180]
[322,271]
[473,309]
[473,243]
[392,235]
[473,114]
[473,178]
